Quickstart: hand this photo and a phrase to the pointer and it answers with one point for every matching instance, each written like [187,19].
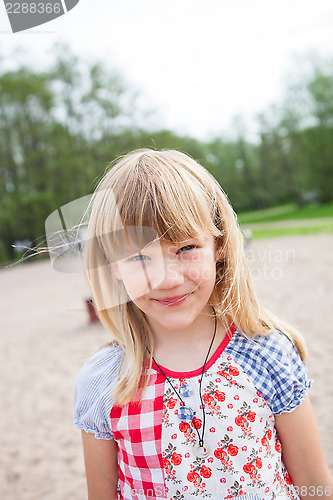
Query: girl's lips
[173,301]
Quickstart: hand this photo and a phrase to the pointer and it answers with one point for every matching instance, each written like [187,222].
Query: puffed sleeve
[287,381]
[275,367]
[92,392]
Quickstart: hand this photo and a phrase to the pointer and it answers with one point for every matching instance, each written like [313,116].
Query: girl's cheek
[135,287]
[202,272]
[142,281]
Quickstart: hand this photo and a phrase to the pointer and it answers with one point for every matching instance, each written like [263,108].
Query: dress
[246,383]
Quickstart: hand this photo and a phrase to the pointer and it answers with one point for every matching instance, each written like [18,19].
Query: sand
[46,337]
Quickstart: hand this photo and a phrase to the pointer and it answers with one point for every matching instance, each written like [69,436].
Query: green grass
[286,212]
[291,231]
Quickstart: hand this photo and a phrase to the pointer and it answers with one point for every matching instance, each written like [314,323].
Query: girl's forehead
[131,238]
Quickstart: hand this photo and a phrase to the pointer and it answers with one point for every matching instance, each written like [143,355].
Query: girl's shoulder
[275,367]
[92,391]
[101,365]
[275,346]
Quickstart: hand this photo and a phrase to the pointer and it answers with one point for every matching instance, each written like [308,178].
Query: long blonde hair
[171,192]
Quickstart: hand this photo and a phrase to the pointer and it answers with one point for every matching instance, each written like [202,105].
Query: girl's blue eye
[138,258]
[187,247]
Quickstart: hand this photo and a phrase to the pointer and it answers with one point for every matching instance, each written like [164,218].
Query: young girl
[202,392]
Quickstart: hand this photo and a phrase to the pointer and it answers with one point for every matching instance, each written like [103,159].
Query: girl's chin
[171,321]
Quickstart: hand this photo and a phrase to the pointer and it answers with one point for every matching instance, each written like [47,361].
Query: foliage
[60,128]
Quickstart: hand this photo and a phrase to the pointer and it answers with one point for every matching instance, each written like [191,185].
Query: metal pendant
[201,451]
[185,413]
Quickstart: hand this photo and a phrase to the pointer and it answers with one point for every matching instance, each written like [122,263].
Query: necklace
[185,413]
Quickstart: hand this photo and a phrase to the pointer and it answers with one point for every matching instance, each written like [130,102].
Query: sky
[197,64]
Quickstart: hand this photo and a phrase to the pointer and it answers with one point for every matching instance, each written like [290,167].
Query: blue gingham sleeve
[92,392]
[275,367]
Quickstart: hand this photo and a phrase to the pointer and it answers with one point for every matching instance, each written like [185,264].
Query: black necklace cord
[167,378]
[201,439]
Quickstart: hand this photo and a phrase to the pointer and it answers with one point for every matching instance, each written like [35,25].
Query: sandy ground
[46,337]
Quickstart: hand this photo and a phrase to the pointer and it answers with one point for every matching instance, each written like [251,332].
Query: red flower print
[255,400]
[244,448]
[251,416]
[288,480]
[187,455]
[269,434]
[207,398]
[171,403]
[264,441]
[174,436]
[210,460]
[229,428]
[248,468]
[232,450]
[197,422]
[233,371]
[258,463]
[230,406]
[236,398]
[217,380]
[166,463]
[278,447]
[212,429]
[176,458]
[184,426]
[240,420]
[220,396]
[220,453]
[205,472]
[192,476]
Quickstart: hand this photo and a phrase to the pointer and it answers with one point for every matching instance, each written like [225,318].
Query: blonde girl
[201,391]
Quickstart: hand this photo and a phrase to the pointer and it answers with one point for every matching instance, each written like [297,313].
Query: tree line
[59,129]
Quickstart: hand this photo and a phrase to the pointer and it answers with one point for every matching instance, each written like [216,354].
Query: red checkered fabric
[137,428]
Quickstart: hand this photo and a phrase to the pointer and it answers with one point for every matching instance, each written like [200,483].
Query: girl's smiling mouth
[173,301]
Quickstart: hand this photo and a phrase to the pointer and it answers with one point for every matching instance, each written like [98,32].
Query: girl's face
[171,283]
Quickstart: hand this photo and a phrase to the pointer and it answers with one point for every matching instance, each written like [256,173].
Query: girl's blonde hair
[171,192]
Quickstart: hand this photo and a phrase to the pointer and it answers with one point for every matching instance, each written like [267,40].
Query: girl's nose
[173,274]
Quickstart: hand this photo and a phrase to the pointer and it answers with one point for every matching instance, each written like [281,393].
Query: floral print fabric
[246,383]
[245,452]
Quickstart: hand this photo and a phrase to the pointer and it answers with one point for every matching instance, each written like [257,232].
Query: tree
[51,124]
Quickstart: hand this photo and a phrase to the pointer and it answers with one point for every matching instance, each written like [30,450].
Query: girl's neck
[186,350]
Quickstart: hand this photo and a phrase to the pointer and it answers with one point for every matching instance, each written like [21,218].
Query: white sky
[198,63]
